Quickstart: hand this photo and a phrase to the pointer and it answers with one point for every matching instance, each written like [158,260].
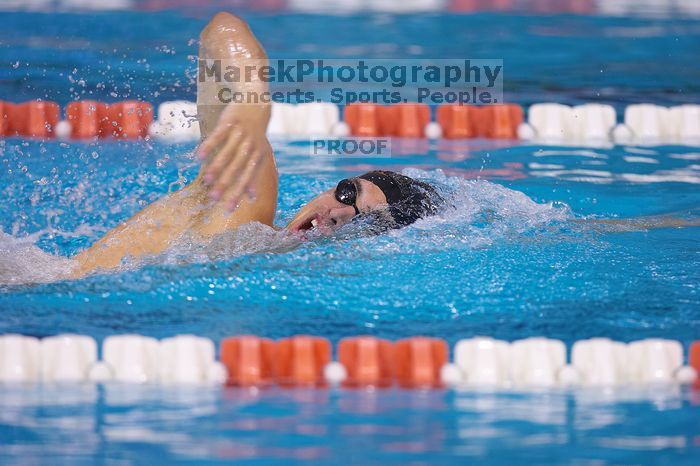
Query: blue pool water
[522,253]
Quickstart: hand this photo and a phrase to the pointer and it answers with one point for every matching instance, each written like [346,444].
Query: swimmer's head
[389,200]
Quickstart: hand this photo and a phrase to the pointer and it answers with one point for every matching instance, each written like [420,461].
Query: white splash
[22,262]
[477,213]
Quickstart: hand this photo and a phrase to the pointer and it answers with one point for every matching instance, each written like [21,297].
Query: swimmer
[238,181]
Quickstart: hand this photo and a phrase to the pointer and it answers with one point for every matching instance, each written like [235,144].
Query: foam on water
[22,262]
[477,213]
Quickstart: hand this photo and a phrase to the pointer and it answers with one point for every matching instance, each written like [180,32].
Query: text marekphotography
[345,81]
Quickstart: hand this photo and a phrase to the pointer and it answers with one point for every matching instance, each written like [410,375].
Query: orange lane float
[456,121]
[580,7]
[418,361]
[364,120]
[499,121]
[36,119]
[300,360]
[129,119]
[367,360]
[694,360]
[4,119]
[249,360]
[85,117]
[480,5]
[406,120]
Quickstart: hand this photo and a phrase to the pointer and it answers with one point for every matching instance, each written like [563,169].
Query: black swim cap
[408,199]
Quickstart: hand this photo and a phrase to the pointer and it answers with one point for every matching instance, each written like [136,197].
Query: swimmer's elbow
[228,36]
[225,16]
[222,22]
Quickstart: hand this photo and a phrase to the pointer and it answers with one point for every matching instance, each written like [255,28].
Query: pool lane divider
[83,120]
[547,123]
[36,119]
[361,361]
[121,120]
[694,361]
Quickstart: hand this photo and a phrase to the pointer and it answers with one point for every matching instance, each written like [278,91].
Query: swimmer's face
[334,208]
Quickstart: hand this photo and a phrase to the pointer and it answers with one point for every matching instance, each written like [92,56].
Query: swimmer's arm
[189,211]
[238,158]
[235,144]
[148,232]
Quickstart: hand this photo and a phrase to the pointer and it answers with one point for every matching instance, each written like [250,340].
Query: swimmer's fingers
[243,182]
[229,175]
[224,157]
[215,139]
[251,191]
[250,187]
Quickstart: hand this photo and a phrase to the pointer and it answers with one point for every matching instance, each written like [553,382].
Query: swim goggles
[346,193]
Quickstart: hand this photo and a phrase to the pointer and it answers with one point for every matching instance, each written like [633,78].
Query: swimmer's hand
[233,154]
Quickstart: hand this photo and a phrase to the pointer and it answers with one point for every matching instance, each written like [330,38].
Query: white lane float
[600,362]
[593,122]
[552,123]
[189,359]
[686,123]
[548,122]
[320,119]
[106,5]
[347,6]
[481,361]
[656,360]
[130,359]
[538,362]
[177,122]
[20,358]
[644,123]
[654,124]
[67,358]
[478,362]
[279,115]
